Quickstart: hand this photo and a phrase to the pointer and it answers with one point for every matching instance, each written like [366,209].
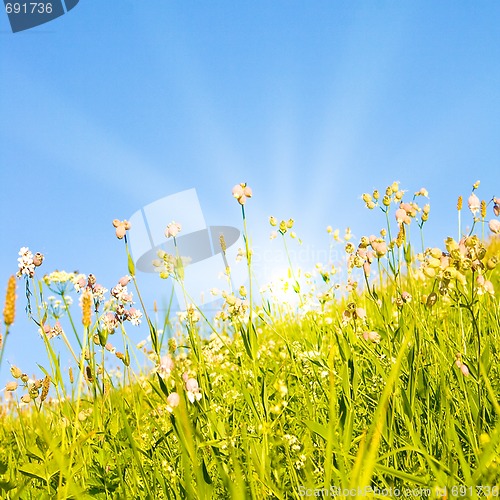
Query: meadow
[378,378]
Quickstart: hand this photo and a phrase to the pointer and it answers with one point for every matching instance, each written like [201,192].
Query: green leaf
[131,265]
[320,430]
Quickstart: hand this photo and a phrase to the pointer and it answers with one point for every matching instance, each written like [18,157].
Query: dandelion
[122,226]
[9,310]
[242,192]
[173,229]
[173,401]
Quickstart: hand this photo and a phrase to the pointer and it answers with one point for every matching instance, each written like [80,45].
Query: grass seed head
[9,311]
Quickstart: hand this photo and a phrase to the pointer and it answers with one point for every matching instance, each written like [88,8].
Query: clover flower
[122,226]
[242,192]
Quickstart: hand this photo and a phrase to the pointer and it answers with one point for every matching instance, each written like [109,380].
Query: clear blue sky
[117,104]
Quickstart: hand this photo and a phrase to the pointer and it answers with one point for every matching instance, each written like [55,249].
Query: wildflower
[242,192]
[52,332]
[173,401]
[474,204]
[125,280]
[134,316]
[173,229]
[496,206]
[122,226]
[373,337]
[166,366]
[494,226]
[79,282]
[9,311]
[38,259]
[379,246]
[121,293]
[191,314]
[26,398]
[192,389]
[402,216]
[25,263]
[11,386]
[109,322]
[463,367]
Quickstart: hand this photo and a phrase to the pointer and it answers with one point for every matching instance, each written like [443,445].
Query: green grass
[388,384]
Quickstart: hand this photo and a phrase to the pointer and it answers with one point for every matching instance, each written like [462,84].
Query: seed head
[86,309]
[483,209]
[9,310]
[222,242]
[45,388]
[460,202]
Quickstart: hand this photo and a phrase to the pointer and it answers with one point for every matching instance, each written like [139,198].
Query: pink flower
[166,366]
[462,366]
[122,226]
[402,216]
[494,226]
[372,337]
[241,192]
[173,229]
[173,401]
[193,390]
[124,281]
[379,247]
[474,204]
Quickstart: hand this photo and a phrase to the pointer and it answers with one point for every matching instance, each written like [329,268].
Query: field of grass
[381,380]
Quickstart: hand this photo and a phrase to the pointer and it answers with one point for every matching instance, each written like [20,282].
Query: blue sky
[117,104]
